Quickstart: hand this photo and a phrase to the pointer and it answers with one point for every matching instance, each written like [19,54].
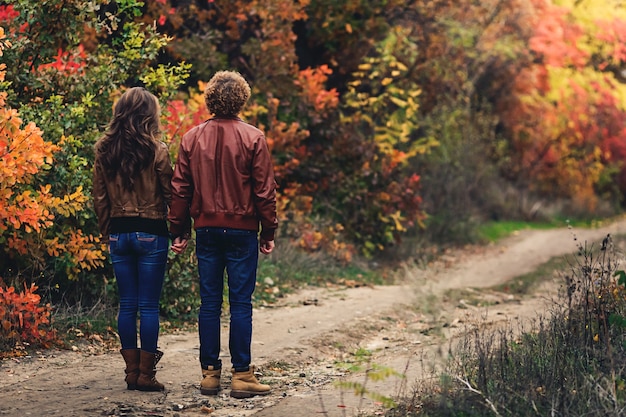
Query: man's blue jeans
[237,252]
[139,261]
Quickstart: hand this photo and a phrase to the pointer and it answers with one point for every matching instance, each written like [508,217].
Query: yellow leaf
[401,66]
[398,102]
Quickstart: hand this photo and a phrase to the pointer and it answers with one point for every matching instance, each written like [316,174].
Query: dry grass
[569,362]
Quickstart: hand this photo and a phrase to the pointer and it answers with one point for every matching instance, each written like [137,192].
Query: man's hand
[267,246]
[179,245]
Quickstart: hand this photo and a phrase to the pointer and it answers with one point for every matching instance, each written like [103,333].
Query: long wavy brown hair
[128,145]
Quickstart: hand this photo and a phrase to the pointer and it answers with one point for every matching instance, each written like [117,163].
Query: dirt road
[299,344]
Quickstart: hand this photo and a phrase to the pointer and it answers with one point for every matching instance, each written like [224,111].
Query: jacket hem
[230,221]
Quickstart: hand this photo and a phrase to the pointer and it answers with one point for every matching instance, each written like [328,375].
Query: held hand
[267,246]
[179,245]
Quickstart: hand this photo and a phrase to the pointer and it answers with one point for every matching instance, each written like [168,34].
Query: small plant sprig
[619,293]
[596,294]
[372,372]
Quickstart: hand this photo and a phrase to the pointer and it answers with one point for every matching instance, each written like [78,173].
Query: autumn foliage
[565,112]
[384,118]
[23,319]
[28,210]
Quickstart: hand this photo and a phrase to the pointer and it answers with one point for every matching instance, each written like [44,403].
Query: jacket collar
[225,117]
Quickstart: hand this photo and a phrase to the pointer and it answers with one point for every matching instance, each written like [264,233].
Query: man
[224,180]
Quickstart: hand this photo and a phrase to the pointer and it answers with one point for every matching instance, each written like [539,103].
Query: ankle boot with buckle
[131,357]
[210,383]
[147,371]
[245,385]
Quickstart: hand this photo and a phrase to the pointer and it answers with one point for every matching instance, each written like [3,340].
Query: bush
[69,61]
[180,298]
[23,320]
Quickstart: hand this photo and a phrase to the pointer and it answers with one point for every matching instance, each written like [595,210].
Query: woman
[132,191]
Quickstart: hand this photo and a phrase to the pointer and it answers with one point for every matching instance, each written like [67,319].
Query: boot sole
[247,394]
[150,389]
[209,391]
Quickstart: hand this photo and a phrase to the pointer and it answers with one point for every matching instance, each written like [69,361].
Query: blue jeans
[139,261]
[235,251]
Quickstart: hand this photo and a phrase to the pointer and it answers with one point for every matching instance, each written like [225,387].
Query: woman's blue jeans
[235,251]
[139,261]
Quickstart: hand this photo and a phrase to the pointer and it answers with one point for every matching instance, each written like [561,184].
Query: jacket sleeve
[265,189]
[182,194]
[101,202]
[164,172]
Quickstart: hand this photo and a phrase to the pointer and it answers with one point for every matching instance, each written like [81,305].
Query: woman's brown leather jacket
[149,198]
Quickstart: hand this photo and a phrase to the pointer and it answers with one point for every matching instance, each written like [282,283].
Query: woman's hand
[179,245]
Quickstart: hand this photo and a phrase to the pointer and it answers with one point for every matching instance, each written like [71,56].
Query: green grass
[75,324]
[494,231]
[526,283]
[280,275]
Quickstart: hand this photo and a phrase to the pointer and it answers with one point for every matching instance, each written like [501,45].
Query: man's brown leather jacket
[224,177]
[149,198]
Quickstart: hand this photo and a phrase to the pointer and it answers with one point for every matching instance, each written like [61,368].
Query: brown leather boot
[131,357]
[245,385]
[210,383]
[147,371]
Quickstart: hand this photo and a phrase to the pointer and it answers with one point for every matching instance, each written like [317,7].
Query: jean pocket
[146,237]
[147,242]
[113,242]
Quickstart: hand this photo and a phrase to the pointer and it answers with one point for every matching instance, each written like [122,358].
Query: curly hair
[226,94]
[129,144]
